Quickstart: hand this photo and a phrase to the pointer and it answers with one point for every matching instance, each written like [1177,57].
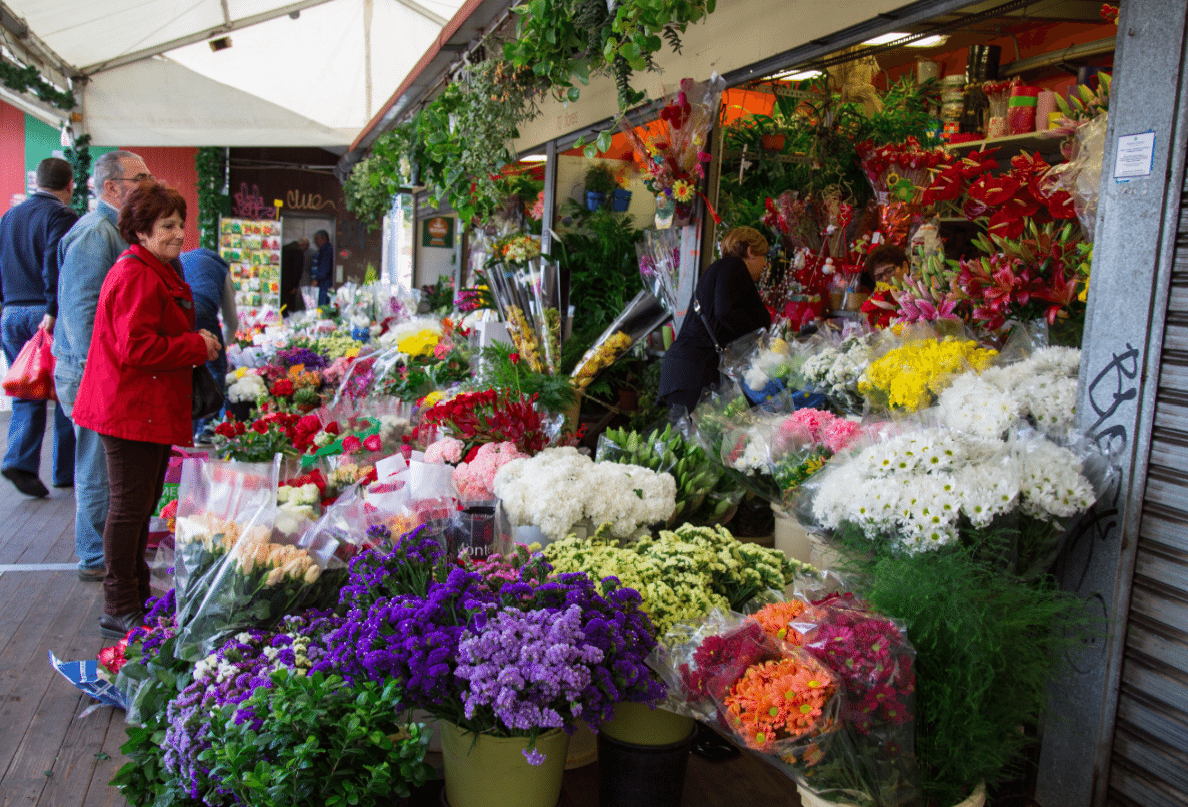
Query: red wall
[12,154]
[174,165]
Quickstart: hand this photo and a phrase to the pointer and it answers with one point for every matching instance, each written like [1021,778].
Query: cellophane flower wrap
[761,363]
[492,416]
[773,697]
[871,760]
[559,487]
[231,573]
[507,648]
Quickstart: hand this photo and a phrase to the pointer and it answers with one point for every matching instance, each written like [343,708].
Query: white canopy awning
[320,69]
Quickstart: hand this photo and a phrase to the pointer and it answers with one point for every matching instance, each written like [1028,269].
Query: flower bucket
[595,200]
[620,200]
[493,770]
[242,410]
[650,773]
[639,724]
[583,747]
[790,537]
[772,142]
[809,798]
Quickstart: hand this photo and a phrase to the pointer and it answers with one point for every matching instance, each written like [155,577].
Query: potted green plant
[600,181]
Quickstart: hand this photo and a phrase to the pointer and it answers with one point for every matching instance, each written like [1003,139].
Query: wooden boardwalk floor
[51,756]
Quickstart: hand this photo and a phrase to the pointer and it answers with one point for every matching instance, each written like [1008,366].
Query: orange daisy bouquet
[780,701]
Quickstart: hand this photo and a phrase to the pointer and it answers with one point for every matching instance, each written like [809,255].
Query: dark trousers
[136,475]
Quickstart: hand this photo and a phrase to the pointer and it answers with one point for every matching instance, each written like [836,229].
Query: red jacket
[139,372]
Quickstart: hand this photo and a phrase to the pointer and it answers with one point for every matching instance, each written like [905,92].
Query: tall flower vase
[493,770]
[642,757]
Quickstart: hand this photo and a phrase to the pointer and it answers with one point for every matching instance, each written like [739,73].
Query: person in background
[730,306]
[210,280]
[292,261]
[323,268]
[29,236]
[308,254]
[86,254]
[885,263]
[136,387]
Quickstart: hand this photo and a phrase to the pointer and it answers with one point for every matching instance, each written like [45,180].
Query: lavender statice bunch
[311,359]
[529,669]
[159,625]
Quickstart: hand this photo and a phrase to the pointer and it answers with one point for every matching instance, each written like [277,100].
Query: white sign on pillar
[690,258]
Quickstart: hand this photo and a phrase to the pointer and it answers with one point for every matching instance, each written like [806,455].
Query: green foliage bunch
[555,393]
[566,40]
[28,80]
[316,742]
[600,178]
[987,646]
[79,157]
[211,164]
[599,254]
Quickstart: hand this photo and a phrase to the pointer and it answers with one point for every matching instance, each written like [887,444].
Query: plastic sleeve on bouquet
[641,316]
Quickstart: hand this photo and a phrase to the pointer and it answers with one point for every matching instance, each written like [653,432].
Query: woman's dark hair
[885,255]
[736,242]
[147,202]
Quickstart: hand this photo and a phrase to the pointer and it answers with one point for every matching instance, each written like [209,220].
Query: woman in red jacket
[136,387]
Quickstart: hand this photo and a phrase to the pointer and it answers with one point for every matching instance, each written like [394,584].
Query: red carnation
[373,443]
[351,444]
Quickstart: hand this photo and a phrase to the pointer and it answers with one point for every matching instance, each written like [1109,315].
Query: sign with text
[438,232]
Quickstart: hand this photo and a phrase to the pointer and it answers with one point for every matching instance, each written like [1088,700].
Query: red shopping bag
[31,376]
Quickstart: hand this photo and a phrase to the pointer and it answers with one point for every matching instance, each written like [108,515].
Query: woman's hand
[213,348]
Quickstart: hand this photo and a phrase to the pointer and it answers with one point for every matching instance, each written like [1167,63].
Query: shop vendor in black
[730,307]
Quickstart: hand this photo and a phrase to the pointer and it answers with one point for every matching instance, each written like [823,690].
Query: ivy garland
[211,162]
[79,157]
[27,79]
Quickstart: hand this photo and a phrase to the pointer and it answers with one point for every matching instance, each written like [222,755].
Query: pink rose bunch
[476,478]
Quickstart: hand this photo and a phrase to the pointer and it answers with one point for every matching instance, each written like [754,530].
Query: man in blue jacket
[213,287]
[86,254]
[323,266]
[29,236]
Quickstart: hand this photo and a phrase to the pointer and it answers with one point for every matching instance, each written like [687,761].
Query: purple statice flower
[528,667]
[406,568]
[311,359]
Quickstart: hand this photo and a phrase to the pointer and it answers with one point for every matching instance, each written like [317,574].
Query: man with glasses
[86,253]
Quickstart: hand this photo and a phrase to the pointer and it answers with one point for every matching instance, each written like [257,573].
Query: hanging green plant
[79,157]
[566,40]
[211,163]
[369,190]
[28,80]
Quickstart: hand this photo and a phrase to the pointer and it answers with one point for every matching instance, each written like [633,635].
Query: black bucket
[982,63]
[631,775]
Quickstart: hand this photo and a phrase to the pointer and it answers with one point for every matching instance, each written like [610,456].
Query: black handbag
[207,399]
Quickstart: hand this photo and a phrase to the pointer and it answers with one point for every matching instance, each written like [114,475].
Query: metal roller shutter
[1149,765]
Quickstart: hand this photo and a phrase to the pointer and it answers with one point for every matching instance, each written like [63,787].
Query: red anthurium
[993,191]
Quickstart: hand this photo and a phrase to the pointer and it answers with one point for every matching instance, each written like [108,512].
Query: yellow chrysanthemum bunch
[420,343]
[910,377]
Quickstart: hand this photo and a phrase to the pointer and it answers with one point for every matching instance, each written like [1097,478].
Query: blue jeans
[90,475]
[323,293]
[26,430]
[218,369]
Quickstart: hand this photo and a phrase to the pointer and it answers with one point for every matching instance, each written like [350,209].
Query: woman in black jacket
[730,304]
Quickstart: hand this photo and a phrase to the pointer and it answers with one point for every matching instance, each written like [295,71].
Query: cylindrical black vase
[982,63]
[631,775]
[242,410]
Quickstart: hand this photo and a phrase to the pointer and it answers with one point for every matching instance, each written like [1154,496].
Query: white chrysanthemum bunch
[835,370]
[917,486]
[973,405]
[1051,480]
[1044,386]
[771,362]
[559,487]
[244,385]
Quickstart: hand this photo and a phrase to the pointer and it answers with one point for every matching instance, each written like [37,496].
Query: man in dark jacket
[292,261]
[323,268]
[29,235]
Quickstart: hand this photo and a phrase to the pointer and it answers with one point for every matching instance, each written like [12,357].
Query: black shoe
[92,575]
[25,482]
[117,627]
[63,484]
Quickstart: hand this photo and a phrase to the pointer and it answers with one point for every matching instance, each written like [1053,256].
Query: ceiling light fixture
[222,43]
[883,39]
[934,41]
[534,158]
